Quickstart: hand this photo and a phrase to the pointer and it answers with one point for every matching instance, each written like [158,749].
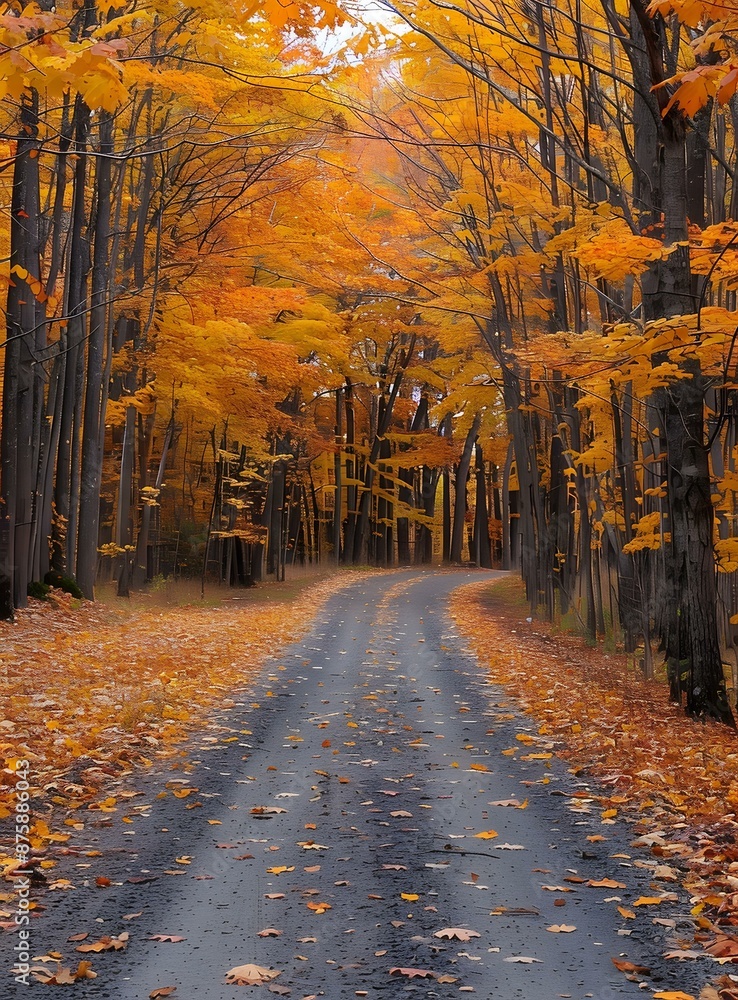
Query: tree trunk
[93,435]
[462,475]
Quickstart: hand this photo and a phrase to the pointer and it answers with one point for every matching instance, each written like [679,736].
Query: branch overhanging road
[378,711]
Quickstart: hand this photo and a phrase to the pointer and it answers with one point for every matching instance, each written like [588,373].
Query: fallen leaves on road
[623,965]
[62,975]
[105,944]
[458,933]
[97,722]
[410,973]
[250,975]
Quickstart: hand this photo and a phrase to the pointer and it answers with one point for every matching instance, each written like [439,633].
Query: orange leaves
[623,965]
[410,973]
[487,835]
[250,975]
[61,975]
[319,907]
[118,943]
[88,715]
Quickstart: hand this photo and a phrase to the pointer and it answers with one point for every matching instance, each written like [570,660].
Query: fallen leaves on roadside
[162,991]
[250,975]
[319,907]
[673,778]
[486,835]
[270,932]
[561,928]
[109,721]
[168,938]
[522,959]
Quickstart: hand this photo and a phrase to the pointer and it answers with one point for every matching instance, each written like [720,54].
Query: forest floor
[93,695]
[673,779]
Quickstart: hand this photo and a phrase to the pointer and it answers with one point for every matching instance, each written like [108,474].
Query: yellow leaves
[487,835]
[319,907]
[182,793]
[410,897]
[648,901]
[280,869]
[648,534]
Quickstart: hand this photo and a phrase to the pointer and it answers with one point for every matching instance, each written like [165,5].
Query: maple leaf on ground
[171,938]
[459,933]
[63,976]
[623,965]
[412,973]
[106,944]
[250,975]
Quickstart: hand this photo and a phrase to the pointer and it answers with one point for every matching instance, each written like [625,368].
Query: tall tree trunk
[20,391]
[690,609]
[93,435]
[462,475]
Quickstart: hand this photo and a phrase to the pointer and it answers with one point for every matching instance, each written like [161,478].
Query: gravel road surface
[361,770]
